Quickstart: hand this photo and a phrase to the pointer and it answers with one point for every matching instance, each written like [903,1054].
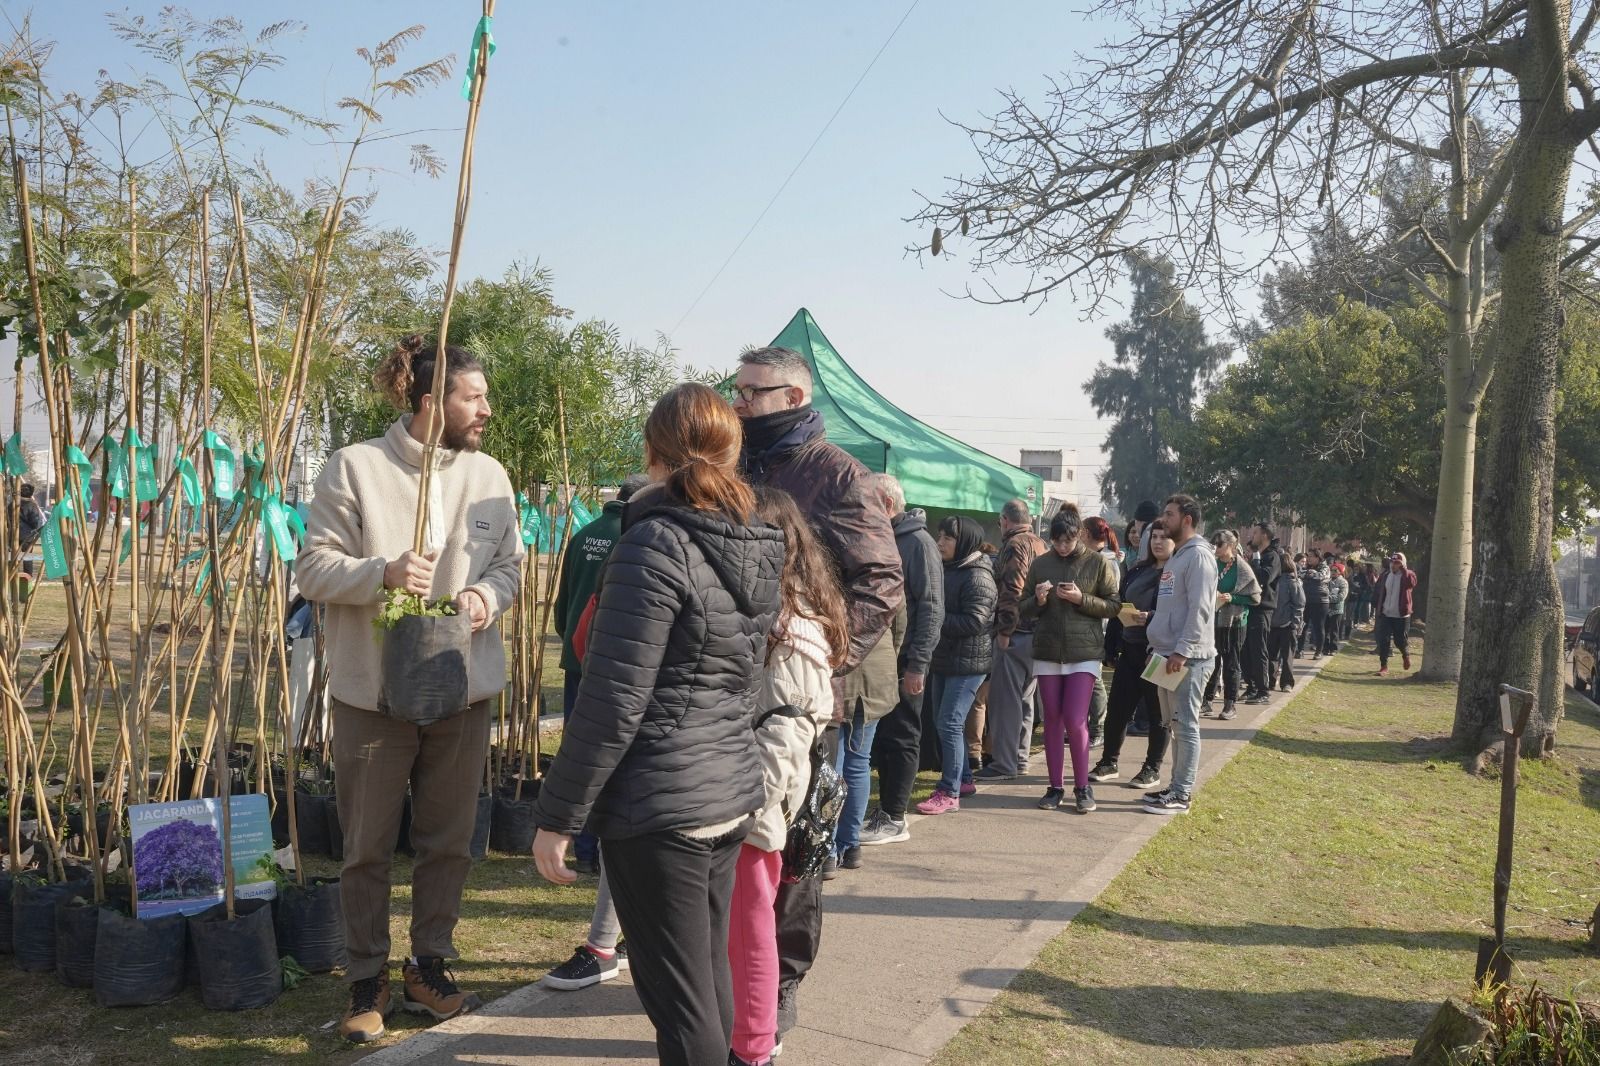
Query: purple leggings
[1066,718]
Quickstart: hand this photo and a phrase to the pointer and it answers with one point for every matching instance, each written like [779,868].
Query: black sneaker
[851,859]
[1170,802]
[1257,700]
[991,773]
[1104,770]
[1146,778]
[585,968]
[622,955]
[788,1011]
[1150,798]
[1229,712]
[1085,798]
[1051,800]
[830,867]
[882,829]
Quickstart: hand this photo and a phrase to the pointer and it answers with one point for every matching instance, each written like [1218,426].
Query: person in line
[1012,689]
[1130,692]
[1073,590]
[30,525]
[1286,618]
[581,563]
[1144,516]
[1183,633]
[1237,595]
[1392,599]
[604,954]
[1338,594]
[786,446]
[660,755]
[1269,564]
[1314,577]
[1098,535]
[358,548]
[1368,573]
[963,656]
[794,708]
[897,749]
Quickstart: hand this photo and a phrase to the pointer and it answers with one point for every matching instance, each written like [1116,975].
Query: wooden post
[1492,958]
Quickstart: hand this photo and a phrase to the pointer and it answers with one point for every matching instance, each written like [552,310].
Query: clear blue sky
[628,147]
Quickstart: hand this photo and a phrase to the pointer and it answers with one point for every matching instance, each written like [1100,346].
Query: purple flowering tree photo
[178,859]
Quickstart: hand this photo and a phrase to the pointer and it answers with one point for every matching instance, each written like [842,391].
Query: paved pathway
[915,943]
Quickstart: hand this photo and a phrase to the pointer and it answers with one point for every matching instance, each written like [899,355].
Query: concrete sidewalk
[915,943]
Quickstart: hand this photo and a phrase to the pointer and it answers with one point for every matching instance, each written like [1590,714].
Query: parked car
[1586,655]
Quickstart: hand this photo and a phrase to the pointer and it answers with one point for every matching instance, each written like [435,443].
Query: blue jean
[955,694]
[853,760]
[585,846]
[1181,710]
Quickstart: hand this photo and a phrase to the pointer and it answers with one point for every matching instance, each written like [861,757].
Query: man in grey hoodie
[1182,631]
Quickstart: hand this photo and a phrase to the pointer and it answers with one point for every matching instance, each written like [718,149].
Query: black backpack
[811,832]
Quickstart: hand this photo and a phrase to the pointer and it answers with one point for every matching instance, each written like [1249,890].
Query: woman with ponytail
[659,756]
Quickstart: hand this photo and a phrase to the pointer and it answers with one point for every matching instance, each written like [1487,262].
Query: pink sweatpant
[1066,717]
[753,952]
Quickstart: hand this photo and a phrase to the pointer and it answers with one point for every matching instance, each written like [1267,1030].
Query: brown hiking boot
[370,1004]
[430,989]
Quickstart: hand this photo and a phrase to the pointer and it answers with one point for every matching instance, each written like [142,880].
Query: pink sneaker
[941,802]
[968,788]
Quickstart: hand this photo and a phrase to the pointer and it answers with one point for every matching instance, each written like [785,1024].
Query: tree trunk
[1514,619]
[1450,553]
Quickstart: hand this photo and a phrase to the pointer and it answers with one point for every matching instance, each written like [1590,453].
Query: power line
[814,142]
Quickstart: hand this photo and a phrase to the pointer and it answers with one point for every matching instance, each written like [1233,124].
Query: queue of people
[750,631]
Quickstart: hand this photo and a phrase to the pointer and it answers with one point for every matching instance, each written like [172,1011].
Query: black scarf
[968,537]
[763,431]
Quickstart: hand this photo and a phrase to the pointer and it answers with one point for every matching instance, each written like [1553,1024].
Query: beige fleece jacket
[798,676]
[363,515]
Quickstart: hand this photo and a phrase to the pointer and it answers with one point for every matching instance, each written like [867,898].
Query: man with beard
[358,549]
[787,447]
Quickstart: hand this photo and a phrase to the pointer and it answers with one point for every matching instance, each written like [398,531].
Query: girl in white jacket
[809,639]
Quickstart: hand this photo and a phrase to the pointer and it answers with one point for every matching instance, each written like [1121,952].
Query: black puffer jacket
[660,737]
[1139,587]
[966,639]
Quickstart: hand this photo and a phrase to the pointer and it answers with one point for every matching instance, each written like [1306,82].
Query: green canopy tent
[939,473]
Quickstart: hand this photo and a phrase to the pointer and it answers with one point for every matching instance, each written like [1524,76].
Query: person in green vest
[581,564]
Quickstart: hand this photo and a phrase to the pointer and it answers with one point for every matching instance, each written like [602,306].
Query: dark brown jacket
[1018,552]
[835,494]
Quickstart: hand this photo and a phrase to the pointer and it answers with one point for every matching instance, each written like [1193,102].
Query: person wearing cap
[1393,602]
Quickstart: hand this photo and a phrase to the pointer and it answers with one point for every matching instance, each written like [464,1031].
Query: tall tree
[1162,362]
[1211,118]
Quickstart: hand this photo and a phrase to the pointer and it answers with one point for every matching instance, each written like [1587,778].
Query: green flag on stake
[222,466]
[141,457]
[16,462]
[80,462]
[481,36]
[53,539]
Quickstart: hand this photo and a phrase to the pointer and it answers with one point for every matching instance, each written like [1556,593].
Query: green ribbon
[142,458]
[222,466]
[255,464]
[480,36]
[529,523]
[116,467]
[53,540]
[16,463]
[275,518]
[190,479]
[581,514]
[76,458]
[127,542]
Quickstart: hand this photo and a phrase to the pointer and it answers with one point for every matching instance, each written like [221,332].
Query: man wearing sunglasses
[786,446]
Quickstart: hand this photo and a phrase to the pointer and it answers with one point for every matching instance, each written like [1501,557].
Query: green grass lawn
[1325,895]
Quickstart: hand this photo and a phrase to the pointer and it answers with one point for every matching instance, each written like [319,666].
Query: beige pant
[975,720]
[374,758]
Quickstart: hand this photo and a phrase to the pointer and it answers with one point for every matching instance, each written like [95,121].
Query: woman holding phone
[1074,590]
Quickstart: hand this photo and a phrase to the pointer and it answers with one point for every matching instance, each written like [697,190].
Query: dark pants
[1230,646]
[1333,632]
[1312,634]
[799,909]
[897,752]
[1392,629]
[1129,692]
[586,848]
[673,895]
[1255,649]
[1280,656]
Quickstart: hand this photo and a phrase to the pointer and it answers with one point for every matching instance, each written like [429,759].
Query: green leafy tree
[1162,360]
